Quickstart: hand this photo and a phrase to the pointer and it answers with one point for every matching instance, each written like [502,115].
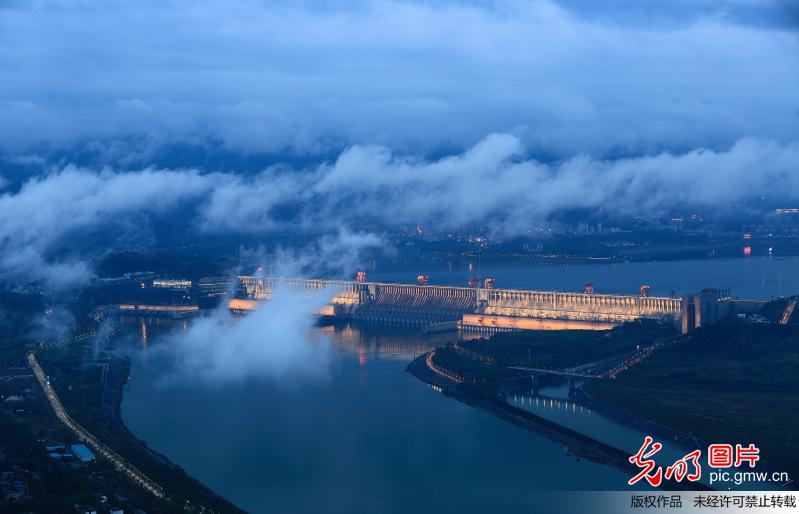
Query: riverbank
[91,386]
[491,401]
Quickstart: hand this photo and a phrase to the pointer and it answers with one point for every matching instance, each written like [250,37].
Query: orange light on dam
[327,310]
[481,320]
[239,304]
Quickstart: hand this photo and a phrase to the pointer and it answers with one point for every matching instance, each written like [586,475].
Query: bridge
[470,308]
[557,372]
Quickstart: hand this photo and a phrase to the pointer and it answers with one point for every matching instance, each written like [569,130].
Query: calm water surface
[368,437]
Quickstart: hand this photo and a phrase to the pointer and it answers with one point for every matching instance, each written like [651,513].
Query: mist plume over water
[274,341]
[271,342]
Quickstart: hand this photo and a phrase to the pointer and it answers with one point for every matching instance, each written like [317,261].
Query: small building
[12,489]
[704,308]
[172,283]
[82,452]
[85,509]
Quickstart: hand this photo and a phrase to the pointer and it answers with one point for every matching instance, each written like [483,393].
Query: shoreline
[578,444]
[111,408]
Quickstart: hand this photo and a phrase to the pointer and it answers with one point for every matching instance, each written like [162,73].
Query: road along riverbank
[91,410]
[84,435]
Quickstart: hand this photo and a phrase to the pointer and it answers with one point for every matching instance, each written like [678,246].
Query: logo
[689,467]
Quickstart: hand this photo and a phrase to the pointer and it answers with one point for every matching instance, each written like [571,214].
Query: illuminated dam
[486,310]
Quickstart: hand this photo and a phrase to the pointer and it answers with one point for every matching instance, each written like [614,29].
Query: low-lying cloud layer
[50,210]
[491,184]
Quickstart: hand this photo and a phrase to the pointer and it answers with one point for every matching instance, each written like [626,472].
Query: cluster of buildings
[12,487]
[75,453]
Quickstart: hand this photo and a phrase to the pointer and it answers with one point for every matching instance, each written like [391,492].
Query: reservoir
[366,436]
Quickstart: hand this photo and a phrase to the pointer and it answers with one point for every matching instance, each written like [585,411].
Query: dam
[480,309]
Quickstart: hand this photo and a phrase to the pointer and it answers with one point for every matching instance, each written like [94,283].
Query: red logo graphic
[689,466]
[719,455]
[642,460]
[750,454]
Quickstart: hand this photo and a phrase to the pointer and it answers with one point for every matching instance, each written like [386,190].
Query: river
[369,437]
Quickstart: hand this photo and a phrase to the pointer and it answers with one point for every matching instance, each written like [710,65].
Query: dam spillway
[468,308]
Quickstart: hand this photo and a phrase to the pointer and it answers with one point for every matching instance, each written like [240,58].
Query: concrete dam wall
[471,308]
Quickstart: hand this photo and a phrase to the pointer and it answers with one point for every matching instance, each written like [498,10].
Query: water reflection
[367,342]
[143,335]
[363,341]
[522,400]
